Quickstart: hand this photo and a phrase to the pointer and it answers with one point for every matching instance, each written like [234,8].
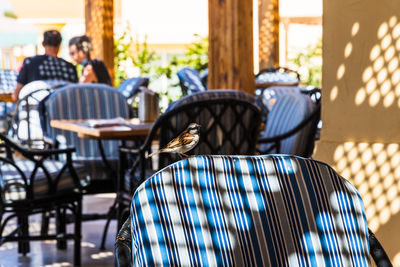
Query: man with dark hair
[47,66]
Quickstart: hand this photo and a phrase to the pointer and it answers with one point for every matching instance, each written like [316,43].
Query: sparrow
[185,141]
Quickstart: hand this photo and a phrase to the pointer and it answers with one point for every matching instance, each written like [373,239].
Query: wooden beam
[231,45]
[316,20]
[268,33]
[99,19]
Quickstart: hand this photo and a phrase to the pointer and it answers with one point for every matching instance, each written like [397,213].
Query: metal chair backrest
[229,119]
[24,116]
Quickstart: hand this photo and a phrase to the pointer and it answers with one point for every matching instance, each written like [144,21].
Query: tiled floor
[46,254]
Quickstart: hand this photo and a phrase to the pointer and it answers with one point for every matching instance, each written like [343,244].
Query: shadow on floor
[46,254]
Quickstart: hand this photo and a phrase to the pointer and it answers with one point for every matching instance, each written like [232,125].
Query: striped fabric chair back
[84,101]
[272,210]
[229,119]
[271,94]
[190,81]
[287,113]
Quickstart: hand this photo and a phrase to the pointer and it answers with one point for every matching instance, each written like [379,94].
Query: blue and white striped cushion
[278,77]
[274,210]
[14,187]
[191,80]
[132,85]
[86,101]
[8,80]
[287,113]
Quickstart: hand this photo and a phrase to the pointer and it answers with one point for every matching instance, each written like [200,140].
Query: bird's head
[193,128]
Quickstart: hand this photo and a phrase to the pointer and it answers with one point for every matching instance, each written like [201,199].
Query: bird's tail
[154,153]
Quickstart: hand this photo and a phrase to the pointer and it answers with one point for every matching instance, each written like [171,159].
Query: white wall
[167,22]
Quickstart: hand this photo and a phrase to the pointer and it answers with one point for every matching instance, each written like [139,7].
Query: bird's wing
[181,140]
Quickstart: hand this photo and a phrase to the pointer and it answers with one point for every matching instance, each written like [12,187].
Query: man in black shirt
[47,66]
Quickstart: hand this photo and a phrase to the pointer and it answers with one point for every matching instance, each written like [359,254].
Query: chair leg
[23,246]
[123,214]
[77,232]
[110,215]
[45,223]
[61,228]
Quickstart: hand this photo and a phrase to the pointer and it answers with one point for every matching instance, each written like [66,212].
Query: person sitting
[47,66]
[94,70]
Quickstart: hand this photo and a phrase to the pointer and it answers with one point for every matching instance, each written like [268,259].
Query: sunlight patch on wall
[396,260]
[374,169]
[355,29]
[342,69]
[382,78]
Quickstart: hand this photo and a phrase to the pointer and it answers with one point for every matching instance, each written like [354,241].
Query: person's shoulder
[65,63]
[34,59]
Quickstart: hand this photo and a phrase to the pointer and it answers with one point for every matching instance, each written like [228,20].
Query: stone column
[361,106]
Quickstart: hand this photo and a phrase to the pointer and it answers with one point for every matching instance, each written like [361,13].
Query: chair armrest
[293,131]
[123,245]
[50,152]
[129,150]
[51,141]
[377,252]
[29,153]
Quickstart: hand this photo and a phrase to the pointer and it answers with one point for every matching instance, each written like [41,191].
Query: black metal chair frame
[53,202]
[313,118]
[138,168]
[14,119]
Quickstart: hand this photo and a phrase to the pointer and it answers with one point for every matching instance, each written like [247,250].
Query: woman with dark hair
[94,70]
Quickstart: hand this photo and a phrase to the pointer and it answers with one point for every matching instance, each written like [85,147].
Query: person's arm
[101,72]
[16,92]
[22,78]
[88,75]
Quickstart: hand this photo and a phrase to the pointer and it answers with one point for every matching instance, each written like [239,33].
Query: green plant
[196,56]
[122,45]
[10,14]
[309,64]
[131,54]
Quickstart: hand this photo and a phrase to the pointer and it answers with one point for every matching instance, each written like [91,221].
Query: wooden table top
[128,129]
[6,97]
[270,84]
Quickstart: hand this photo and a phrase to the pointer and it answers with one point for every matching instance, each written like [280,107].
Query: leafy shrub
[309,64]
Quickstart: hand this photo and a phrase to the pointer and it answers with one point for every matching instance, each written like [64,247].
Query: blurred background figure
[47,66]
[94,70]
